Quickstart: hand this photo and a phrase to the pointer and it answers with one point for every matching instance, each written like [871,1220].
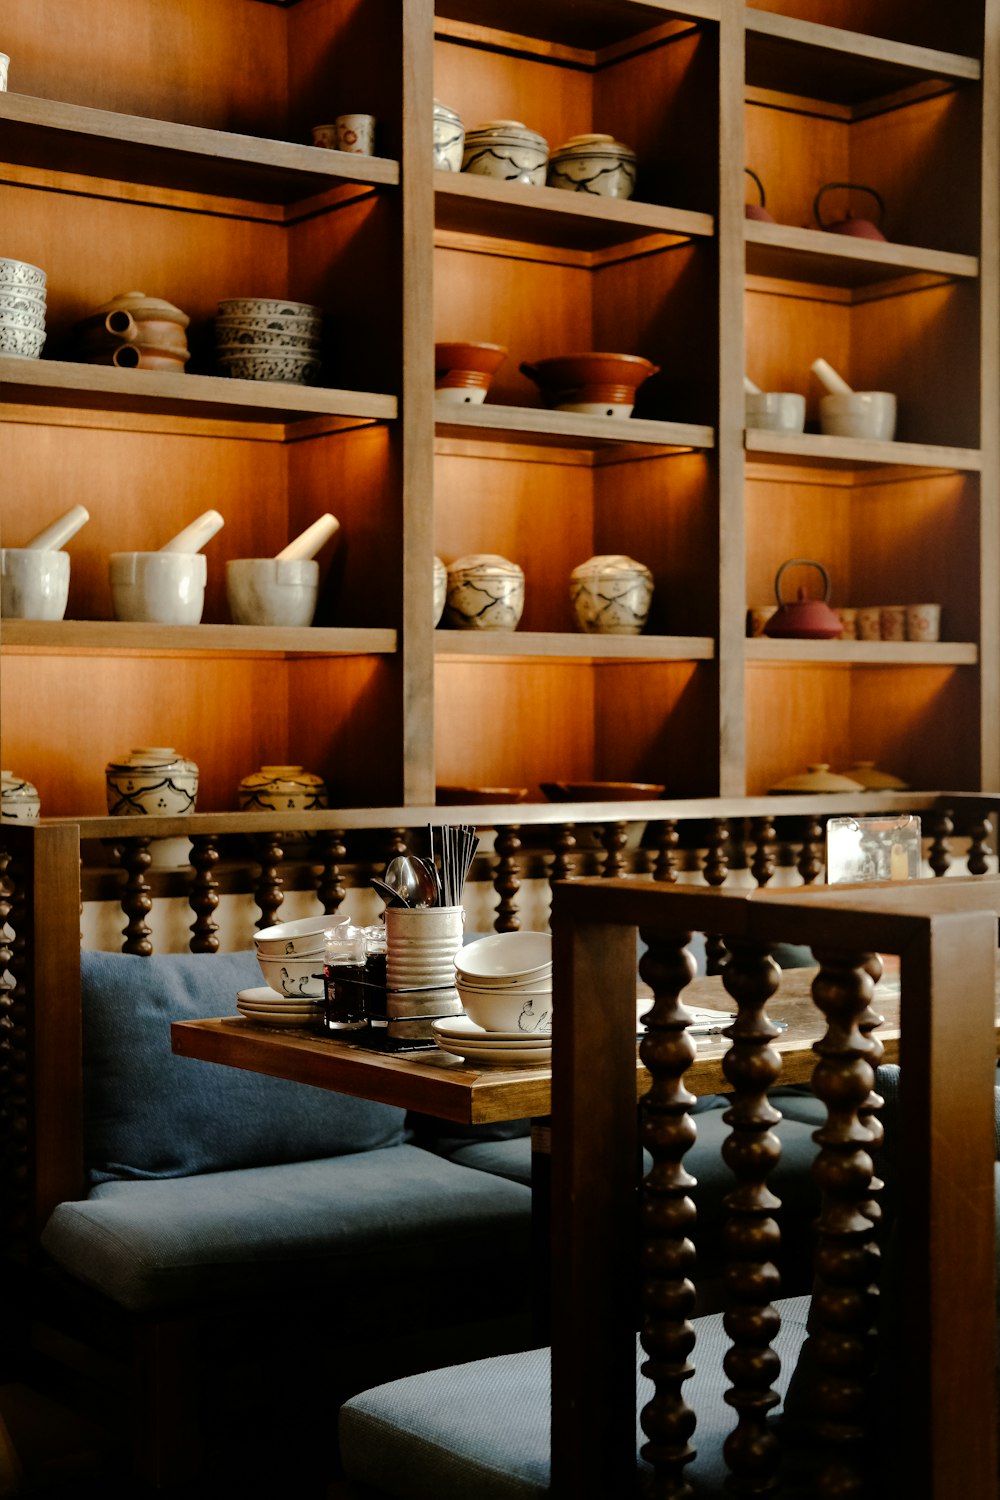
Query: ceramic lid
[141,306]
[15,788]
[151,758]
[506,130]
[273,775]
[485,562]
[867,775]
[818,778]
[610,565]
[593,145]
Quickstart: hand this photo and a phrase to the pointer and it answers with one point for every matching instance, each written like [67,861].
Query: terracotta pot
[590,382]
[462,372]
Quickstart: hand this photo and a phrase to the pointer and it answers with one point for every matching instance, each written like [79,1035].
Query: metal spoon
[389,894]
[411,879]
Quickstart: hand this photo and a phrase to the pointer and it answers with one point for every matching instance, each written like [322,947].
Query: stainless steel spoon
[389,894]
[411,879]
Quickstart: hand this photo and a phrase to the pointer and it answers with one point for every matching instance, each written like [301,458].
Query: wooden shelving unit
[168,150]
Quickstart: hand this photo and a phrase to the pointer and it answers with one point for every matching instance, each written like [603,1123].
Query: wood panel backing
[556,101]
[660,724]
[344,57]
[914,21]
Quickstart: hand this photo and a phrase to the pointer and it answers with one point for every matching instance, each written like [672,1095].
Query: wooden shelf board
[470,204]
[789,253]
[556,646]
[567,429]
[122,637]
[46,133]
[842,67]
[589,25]
[863,653]
[814,448]
[48,382]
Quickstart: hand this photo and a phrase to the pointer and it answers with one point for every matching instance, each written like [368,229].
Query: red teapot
[757,210]
[863,229]
[804,619]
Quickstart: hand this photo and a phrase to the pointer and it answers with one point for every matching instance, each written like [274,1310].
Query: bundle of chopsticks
[458,847]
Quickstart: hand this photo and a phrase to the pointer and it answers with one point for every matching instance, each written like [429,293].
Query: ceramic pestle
[827,375]
[308,542]
[749,388]
[194,537]
[53,537]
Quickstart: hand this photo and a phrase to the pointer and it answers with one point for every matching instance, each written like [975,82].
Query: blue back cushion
[149,1114]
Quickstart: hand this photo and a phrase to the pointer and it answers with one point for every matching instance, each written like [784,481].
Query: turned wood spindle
[763,864]
[563,845]
[269,891]
[843,1310]
[979,847]
[506,880]
[331,890]
[204,897]
[137,899]
[667,862]
[811,856]
[667,1212]
[714,872]
[752,1237]
[942,828]
[614,837]
[15,1071]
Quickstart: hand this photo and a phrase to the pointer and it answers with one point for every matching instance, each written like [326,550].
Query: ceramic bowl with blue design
[596,164]
[151,781]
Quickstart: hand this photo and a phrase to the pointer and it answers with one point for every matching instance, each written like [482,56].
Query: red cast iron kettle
[757,210]
[805,619]
[863,229]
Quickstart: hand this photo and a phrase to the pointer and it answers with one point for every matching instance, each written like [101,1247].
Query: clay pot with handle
[802,618]
[862,229]
[757,210]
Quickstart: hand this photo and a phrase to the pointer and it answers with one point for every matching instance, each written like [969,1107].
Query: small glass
[344,959]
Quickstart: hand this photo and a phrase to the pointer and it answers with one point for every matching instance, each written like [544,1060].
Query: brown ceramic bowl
[576,381]
[602,791]
[458,796]
[462,372]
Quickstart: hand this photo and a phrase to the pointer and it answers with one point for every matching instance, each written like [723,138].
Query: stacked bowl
[22,309]
[268,338]
[505,984]
[290,956]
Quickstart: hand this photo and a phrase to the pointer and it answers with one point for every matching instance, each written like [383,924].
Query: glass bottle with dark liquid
[344,960]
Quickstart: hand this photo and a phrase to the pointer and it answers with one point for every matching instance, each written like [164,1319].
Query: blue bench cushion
[150,1115]
[483,1429]
[348,1221]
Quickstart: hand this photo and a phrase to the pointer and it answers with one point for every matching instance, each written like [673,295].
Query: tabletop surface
[436,1083]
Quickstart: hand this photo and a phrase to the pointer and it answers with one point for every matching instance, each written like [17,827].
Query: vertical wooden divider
[989,404]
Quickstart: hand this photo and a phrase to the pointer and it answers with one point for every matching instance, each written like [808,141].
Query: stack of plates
[266,1007]
[268,338]
[22,309]
[508,1049]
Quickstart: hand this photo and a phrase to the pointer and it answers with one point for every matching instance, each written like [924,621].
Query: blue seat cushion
[313,1226]
[483,1429]
[151,1115]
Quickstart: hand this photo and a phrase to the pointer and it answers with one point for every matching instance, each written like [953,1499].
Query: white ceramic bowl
[301,939]
[776,411]
[25,343]
[256,342]
[34,584]
[507,1010]
[30,299]
[611,595]
[449,138]
[282,789]
[302,977]
[284,365]
[20,273]
[165,587]
[595,164]
[19,800]
[509,956]
[268,307]
[506,149]
[280,591]
[861,414]
[151,780]
[33,322]
[265,326]
[484,592]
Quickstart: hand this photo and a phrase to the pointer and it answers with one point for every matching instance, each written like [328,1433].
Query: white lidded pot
[151,780]
[282,789]
[611,595]
[485,592]
[19,800]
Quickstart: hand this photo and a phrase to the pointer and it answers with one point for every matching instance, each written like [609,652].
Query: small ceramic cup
[869,623]
[325,136]
[4,66]
[758,616]
[849,620]
[34,583]
[356,134]
[923,622]
[19,800]
[893,622]
[165,587]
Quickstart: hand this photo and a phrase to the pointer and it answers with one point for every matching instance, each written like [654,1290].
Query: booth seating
[842,1392]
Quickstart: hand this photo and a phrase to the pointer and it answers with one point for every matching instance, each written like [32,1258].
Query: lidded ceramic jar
[611,595]
[595,164]
[506,149]
[485,592]
[449,138]
[868,775]
[818,778]
[151,780]
[282,789]
[440,589]
[19,800]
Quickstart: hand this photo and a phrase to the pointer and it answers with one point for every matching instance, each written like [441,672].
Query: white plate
[462,1028]
[508,1057]
[276,1018]
[297,1007]
[258,993]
